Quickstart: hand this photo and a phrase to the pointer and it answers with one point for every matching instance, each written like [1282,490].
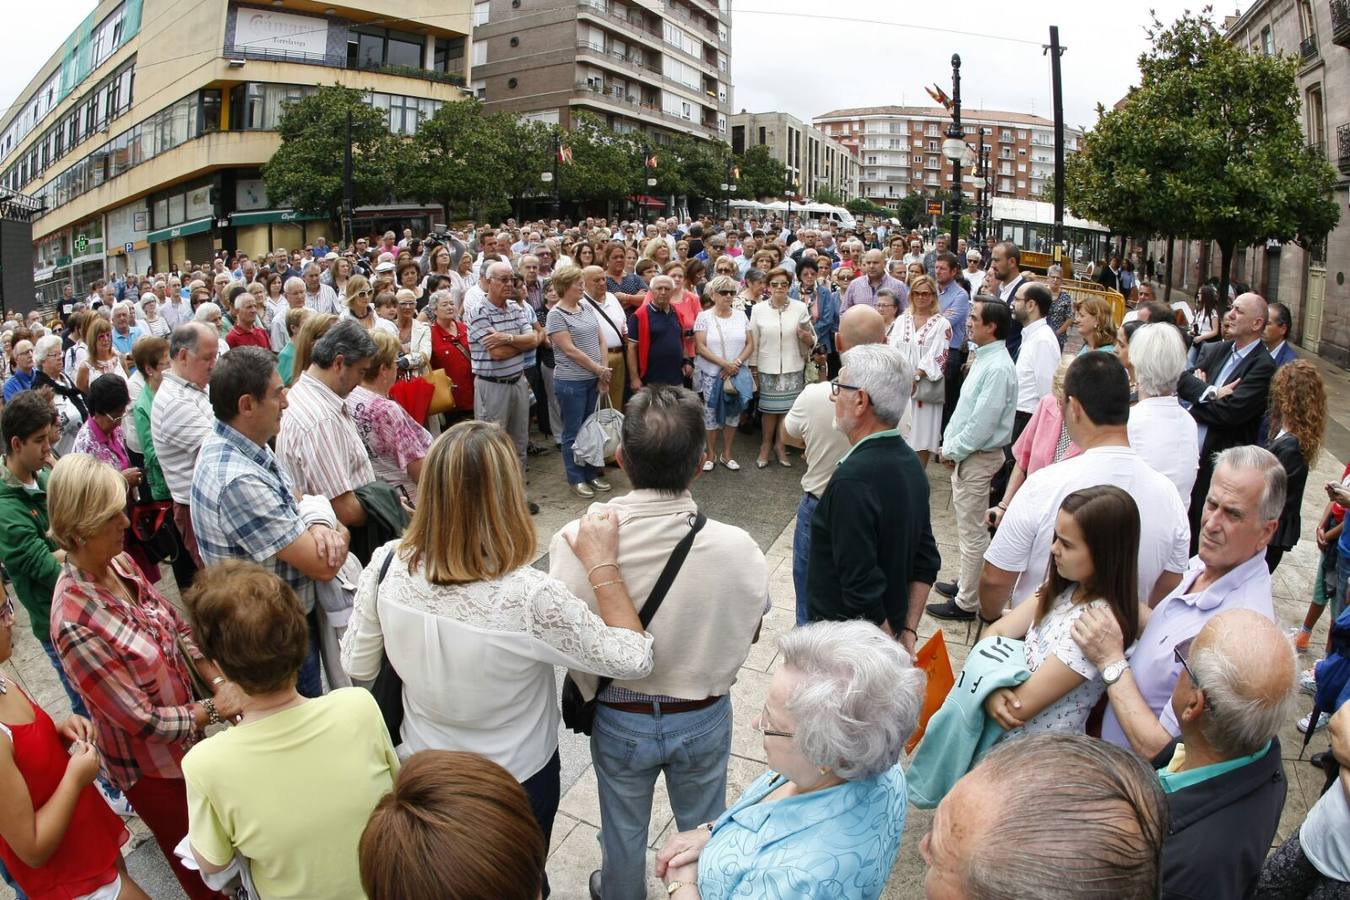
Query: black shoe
[1320,759]
[595,885]
[533,449]
[947,588]
[534,507]
[950,612]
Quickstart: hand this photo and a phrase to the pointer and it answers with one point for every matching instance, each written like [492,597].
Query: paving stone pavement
[764,503]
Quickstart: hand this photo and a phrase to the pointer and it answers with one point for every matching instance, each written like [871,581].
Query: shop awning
[196,226]
[264,216]
[644,200]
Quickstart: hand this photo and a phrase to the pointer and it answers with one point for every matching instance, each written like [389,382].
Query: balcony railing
[610,95]
[1340,22]
[618,14]
[626,59]
[314,59]
[1343,148]
[1307,48]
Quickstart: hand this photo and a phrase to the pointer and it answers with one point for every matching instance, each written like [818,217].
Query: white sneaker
[1322,720]
[708,465]
[1307,681]
[116,800]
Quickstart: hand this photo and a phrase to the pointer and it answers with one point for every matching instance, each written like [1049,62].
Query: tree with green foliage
[306,171]
[828,195]
[861,206]
[1208,145]
[762,176]
[603,166]
[524,150]
[458,157]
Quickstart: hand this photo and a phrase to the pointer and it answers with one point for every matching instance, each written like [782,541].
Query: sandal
[761,464]
[731,464]
[708,465]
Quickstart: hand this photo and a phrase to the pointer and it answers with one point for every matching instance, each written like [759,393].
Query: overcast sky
[806,57]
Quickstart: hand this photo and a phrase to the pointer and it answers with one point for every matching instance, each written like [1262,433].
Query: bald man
[863,291]
[1223,777]
[1228,392]
[810,424]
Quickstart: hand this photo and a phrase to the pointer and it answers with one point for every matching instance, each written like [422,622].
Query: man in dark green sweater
[873,555]
[29,556]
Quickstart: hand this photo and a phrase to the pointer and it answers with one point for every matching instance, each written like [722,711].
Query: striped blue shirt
[487,317]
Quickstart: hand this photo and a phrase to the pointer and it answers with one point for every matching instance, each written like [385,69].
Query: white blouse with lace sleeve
[476,660]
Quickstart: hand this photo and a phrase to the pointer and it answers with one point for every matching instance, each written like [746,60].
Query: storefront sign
[279,32]
[177,231]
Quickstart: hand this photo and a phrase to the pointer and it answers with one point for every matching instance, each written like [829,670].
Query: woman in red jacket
[450,351]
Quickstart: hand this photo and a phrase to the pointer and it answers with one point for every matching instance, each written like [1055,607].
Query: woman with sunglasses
[783,337]
[724,343]
[360,306]
[924,334]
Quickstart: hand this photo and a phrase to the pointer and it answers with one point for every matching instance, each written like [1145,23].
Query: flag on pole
[565,154]
[939,96]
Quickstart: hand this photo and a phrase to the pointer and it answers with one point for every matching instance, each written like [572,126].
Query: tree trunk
[1167,291]
[1226,248]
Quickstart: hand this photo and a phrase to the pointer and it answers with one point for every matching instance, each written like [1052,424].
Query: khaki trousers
[970,501]
[618,378]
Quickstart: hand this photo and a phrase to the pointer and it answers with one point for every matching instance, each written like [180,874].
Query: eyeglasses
[836,386]
[769,732]
[1182,654]
[924,293]
[363,293]
[778,283]
[726,293]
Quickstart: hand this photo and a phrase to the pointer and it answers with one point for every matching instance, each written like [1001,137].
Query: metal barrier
[1079,290]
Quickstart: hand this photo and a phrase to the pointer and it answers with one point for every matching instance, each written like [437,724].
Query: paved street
[764,502]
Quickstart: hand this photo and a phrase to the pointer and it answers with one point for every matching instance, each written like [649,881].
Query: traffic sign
[81,244]
[934,208]
[128,247]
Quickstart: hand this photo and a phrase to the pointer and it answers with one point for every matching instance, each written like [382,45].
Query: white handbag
[599,435]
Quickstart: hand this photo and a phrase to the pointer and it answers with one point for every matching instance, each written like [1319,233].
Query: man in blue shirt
[124,333]
[656,341]
[22,379]
[954,304]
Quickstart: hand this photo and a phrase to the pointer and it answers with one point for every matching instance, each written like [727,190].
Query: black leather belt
[649,709]
[495,380]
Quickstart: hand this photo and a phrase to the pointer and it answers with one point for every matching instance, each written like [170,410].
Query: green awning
[263,216]
[177,231]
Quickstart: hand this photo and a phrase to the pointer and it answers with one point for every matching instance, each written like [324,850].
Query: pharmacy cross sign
[81,244]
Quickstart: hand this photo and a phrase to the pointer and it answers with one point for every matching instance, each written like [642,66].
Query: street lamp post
[979,200]
[954,148]
[557,157]
[651,186]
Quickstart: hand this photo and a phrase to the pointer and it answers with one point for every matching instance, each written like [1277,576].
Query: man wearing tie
[1227,392]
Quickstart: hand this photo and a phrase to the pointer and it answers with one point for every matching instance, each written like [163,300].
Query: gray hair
[438,296]
[719,283]
[347,339]
[204,311]
[126,305]
[662,438]
[1055,271]
[240,297]
[44,346]
[1250,456]
[298,282]
[1238,720]
[308,266]
[885,374]
[1158,355]
[1100,819]
[859,698]
[187,337]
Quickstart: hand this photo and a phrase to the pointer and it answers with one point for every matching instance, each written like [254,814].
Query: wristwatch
[1111,674]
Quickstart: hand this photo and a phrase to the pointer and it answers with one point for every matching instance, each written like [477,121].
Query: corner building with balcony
[811,158]
[1314,282]
[145,134]
[658,68]
[899,149]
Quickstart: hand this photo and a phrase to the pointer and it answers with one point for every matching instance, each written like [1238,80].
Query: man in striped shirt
[181,418]
[499,337]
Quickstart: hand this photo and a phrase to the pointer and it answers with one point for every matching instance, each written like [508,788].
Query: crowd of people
[328,452]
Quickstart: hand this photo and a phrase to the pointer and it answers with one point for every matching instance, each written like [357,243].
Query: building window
[375,48]
[1317,122]
[480,13]
[449,55]
[480,53]
[1267,42]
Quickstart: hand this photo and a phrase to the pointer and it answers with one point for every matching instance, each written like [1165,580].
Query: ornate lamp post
[954,148]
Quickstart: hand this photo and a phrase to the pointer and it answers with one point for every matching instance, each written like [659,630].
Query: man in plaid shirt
[243,503]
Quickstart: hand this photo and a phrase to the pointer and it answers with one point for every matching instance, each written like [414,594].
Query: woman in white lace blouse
[474,630]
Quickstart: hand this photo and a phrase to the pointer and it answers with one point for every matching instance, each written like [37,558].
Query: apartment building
[1310,281]
[812,158]
[656,68]
[144,135]
[899,149]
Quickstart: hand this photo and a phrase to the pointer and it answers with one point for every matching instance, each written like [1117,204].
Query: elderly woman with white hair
[209,314]
[1161,432]
[724,343]
[148,317]
[826,820]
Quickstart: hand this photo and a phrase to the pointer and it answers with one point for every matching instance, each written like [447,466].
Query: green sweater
[25,549]
[872,535]
[140,418]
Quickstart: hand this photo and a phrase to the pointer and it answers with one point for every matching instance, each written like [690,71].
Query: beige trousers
[970,501]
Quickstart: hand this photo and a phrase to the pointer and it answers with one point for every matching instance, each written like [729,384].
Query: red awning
[644,200]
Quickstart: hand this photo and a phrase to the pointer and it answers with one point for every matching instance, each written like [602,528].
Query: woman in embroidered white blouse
[474,634]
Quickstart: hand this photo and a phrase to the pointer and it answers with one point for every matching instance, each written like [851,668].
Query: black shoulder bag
[387,687]
[578,714]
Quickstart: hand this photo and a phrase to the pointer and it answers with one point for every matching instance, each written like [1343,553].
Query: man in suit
[1276,335]
[1227,391]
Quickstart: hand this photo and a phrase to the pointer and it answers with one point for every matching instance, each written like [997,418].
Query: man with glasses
[972,444]
[500,335]
[1241,512]
[872,553]
[1223,777]
[656,340]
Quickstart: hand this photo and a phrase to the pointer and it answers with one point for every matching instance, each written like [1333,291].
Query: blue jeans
[1342,585]
[629,751]
[544,789]
[307,680]
[576,400]
[801,552]
[76,704]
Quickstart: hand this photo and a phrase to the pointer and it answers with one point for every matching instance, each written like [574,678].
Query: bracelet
[591,570]
[218,681]
[904,628]
[1003,506]
[212,717]
[596,587]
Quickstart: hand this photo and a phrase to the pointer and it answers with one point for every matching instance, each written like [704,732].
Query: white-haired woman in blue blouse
[826,820]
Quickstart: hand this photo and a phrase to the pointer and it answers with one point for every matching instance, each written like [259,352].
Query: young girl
[58,839]
[1093,564]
